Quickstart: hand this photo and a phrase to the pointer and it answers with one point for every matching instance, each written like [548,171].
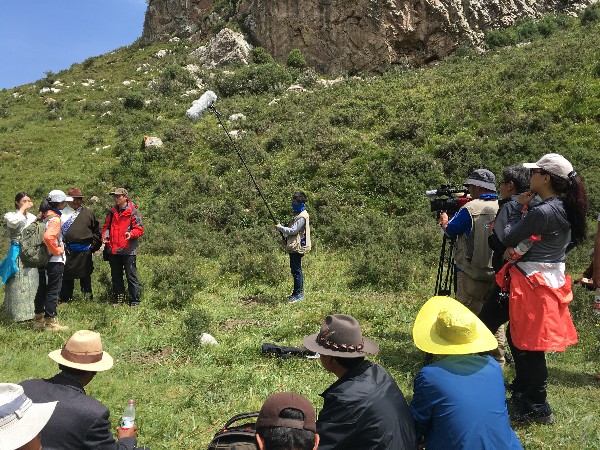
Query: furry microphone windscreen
[201,105]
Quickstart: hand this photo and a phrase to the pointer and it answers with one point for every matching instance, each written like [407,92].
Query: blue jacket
[459,402]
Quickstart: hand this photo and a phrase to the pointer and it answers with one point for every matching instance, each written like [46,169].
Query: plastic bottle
[597,302]
[128,418]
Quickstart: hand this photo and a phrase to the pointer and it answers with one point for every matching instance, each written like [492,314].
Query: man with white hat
[80,421]
[459,401]
[364,409]
[21,420]
[472,226]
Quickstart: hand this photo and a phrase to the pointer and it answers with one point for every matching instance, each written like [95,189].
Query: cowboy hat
[21,420]
[445,326]
[340,336]
[83,351]
[75,193]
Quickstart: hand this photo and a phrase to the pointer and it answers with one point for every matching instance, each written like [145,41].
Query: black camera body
[447,199]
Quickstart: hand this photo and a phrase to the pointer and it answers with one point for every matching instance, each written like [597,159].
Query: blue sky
[41,35]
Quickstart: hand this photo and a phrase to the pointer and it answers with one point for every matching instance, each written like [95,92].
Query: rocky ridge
[358,36]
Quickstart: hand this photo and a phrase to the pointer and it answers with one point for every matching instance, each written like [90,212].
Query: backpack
[34,252]
[240,437]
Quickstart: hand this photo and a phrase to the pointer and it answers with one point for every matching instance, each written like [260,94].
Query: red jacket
[118,223]
[539,314]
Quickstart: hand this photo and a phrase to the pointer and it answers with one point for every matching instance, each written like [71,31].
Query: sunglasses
[536,170]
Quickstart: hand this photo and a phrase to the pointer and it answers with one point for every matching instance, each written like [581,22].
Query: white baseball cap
[57,196]
[553,163]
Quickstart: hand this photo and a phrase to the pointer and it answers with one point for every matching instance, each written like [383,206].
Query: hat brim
[483,184]
[68,199]
[104,364]
[20,431]
[369,348]
[531,166]
[427,339]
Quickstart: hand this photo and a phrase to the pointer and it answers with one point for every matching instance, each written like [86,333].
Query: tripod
[446,281]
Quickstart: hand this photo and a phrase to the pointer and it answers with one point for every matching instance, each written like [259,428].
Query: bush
[296,59]
[134,100]
[173,281]
[261,56]
[254,80]
[590,15]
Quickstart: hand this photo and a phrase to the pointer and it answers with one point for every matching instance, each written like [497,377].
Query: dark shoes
[528,412]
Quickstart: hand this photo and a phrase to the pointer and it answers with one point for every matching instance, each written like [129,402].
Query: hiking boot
[118,298]
[51,324]
[38,322]
[295,298]
[134,304]
[534,412]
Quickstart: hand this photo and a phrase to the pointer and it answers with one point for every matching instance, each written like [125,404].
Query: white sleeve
[15,220]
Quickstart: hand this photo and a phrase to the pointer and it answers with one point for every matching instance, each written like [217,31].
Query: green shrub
[173,79]
[296,59]
[134,100]
[308,77]
[590,15]
[254,79]
[173,281]
[260,55]
[196,322]
[89,62]
[500,38]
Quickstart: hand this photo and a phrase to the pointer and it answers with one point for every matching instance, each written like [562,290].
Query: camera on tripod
[447,199]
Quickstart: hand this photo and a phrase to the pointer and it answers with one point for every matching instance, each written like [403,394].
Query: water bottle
[128,418]
[597,302]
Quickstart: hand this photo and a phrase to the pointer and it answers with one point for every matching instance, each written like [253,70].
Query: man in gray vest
[471,226]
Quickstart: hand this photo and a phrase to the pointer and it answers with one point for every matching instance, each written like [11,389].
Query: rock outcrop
[227,48]
[357,36]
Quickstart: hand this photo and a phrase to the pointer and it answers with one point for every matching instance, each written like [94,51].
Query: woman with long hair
[50,283]
[540,292]
[21,282]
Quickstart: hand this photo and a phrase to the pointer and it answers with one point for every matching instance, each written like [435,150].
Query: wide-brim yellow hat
[445,326]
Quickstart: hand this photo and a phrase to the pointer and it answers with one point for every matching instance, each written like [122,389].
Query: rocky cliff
[350,36]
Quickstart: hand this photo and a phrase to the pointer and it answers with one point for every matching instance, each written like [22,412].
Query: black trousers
[46,297]
[66,291]
[118,264]
[531,377]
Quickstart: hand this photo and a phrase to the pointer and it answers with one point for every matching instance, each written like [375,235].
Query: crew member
[472,226]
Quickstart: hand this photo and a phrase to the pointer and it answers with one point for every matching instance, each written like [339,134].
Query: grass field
[364,148]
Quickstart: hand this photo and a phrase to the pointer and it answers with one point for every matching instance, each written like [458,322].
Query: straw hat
[83,351]
[21,420]
[340,336]
[445,326]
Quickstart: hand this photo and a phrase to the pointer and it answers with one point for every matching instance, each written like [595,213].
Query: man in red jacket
[120,233]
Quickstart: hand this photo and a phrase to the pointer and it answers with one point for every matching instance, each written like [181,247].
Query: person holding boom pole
[297,243]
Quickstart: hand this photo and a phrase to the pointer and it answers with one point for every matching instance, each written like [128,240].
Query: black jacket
[79,421]
[365,410]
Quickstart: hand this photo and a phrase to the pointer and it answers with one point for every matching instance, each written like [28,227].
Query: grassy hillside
[364,150]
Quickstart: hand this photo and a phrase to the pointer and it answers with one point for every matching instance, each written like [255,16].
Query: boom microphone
[202,104]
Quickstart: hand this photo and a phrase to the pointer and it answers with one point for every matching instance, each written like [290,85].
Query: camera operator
[515,180]
[471,226]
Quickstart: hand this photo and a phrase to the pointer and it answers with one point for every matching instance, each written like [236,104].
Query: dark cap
[119,191]
[482,178]
[75,193]
[268,417]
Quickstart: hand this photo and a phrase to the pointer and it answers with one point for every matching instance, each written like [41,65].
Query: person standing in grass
[539,290]
[81,231]
[298,243]
[121,231]
[50,280]
[459,401]
[21,282]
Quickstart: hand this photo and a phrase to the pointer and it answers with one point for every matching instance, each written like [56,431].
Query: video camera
[447,199]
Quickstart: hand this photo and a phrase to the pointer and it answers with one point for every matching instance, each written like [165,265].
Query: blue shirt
[459,402]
